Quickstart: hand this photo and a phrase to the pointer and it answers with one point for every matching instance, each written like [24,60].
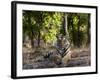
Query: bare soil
[34,59]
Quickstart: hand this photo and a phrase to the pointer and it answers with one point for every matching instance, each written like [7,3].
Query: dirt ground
[36,59]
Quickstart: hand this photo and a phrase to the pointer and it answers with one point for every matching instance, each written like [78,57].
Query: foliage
[78,27]
[46,26]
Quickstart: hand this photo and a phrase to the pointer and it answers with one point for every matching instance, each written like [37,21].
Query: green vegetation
[43,27]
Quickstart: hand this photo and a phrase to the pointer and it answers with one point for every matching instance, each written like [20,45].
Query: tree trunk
[32,39]
[32,33]
[65,24]
[73,33]
[78,38]
[39,35]
[88,30]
